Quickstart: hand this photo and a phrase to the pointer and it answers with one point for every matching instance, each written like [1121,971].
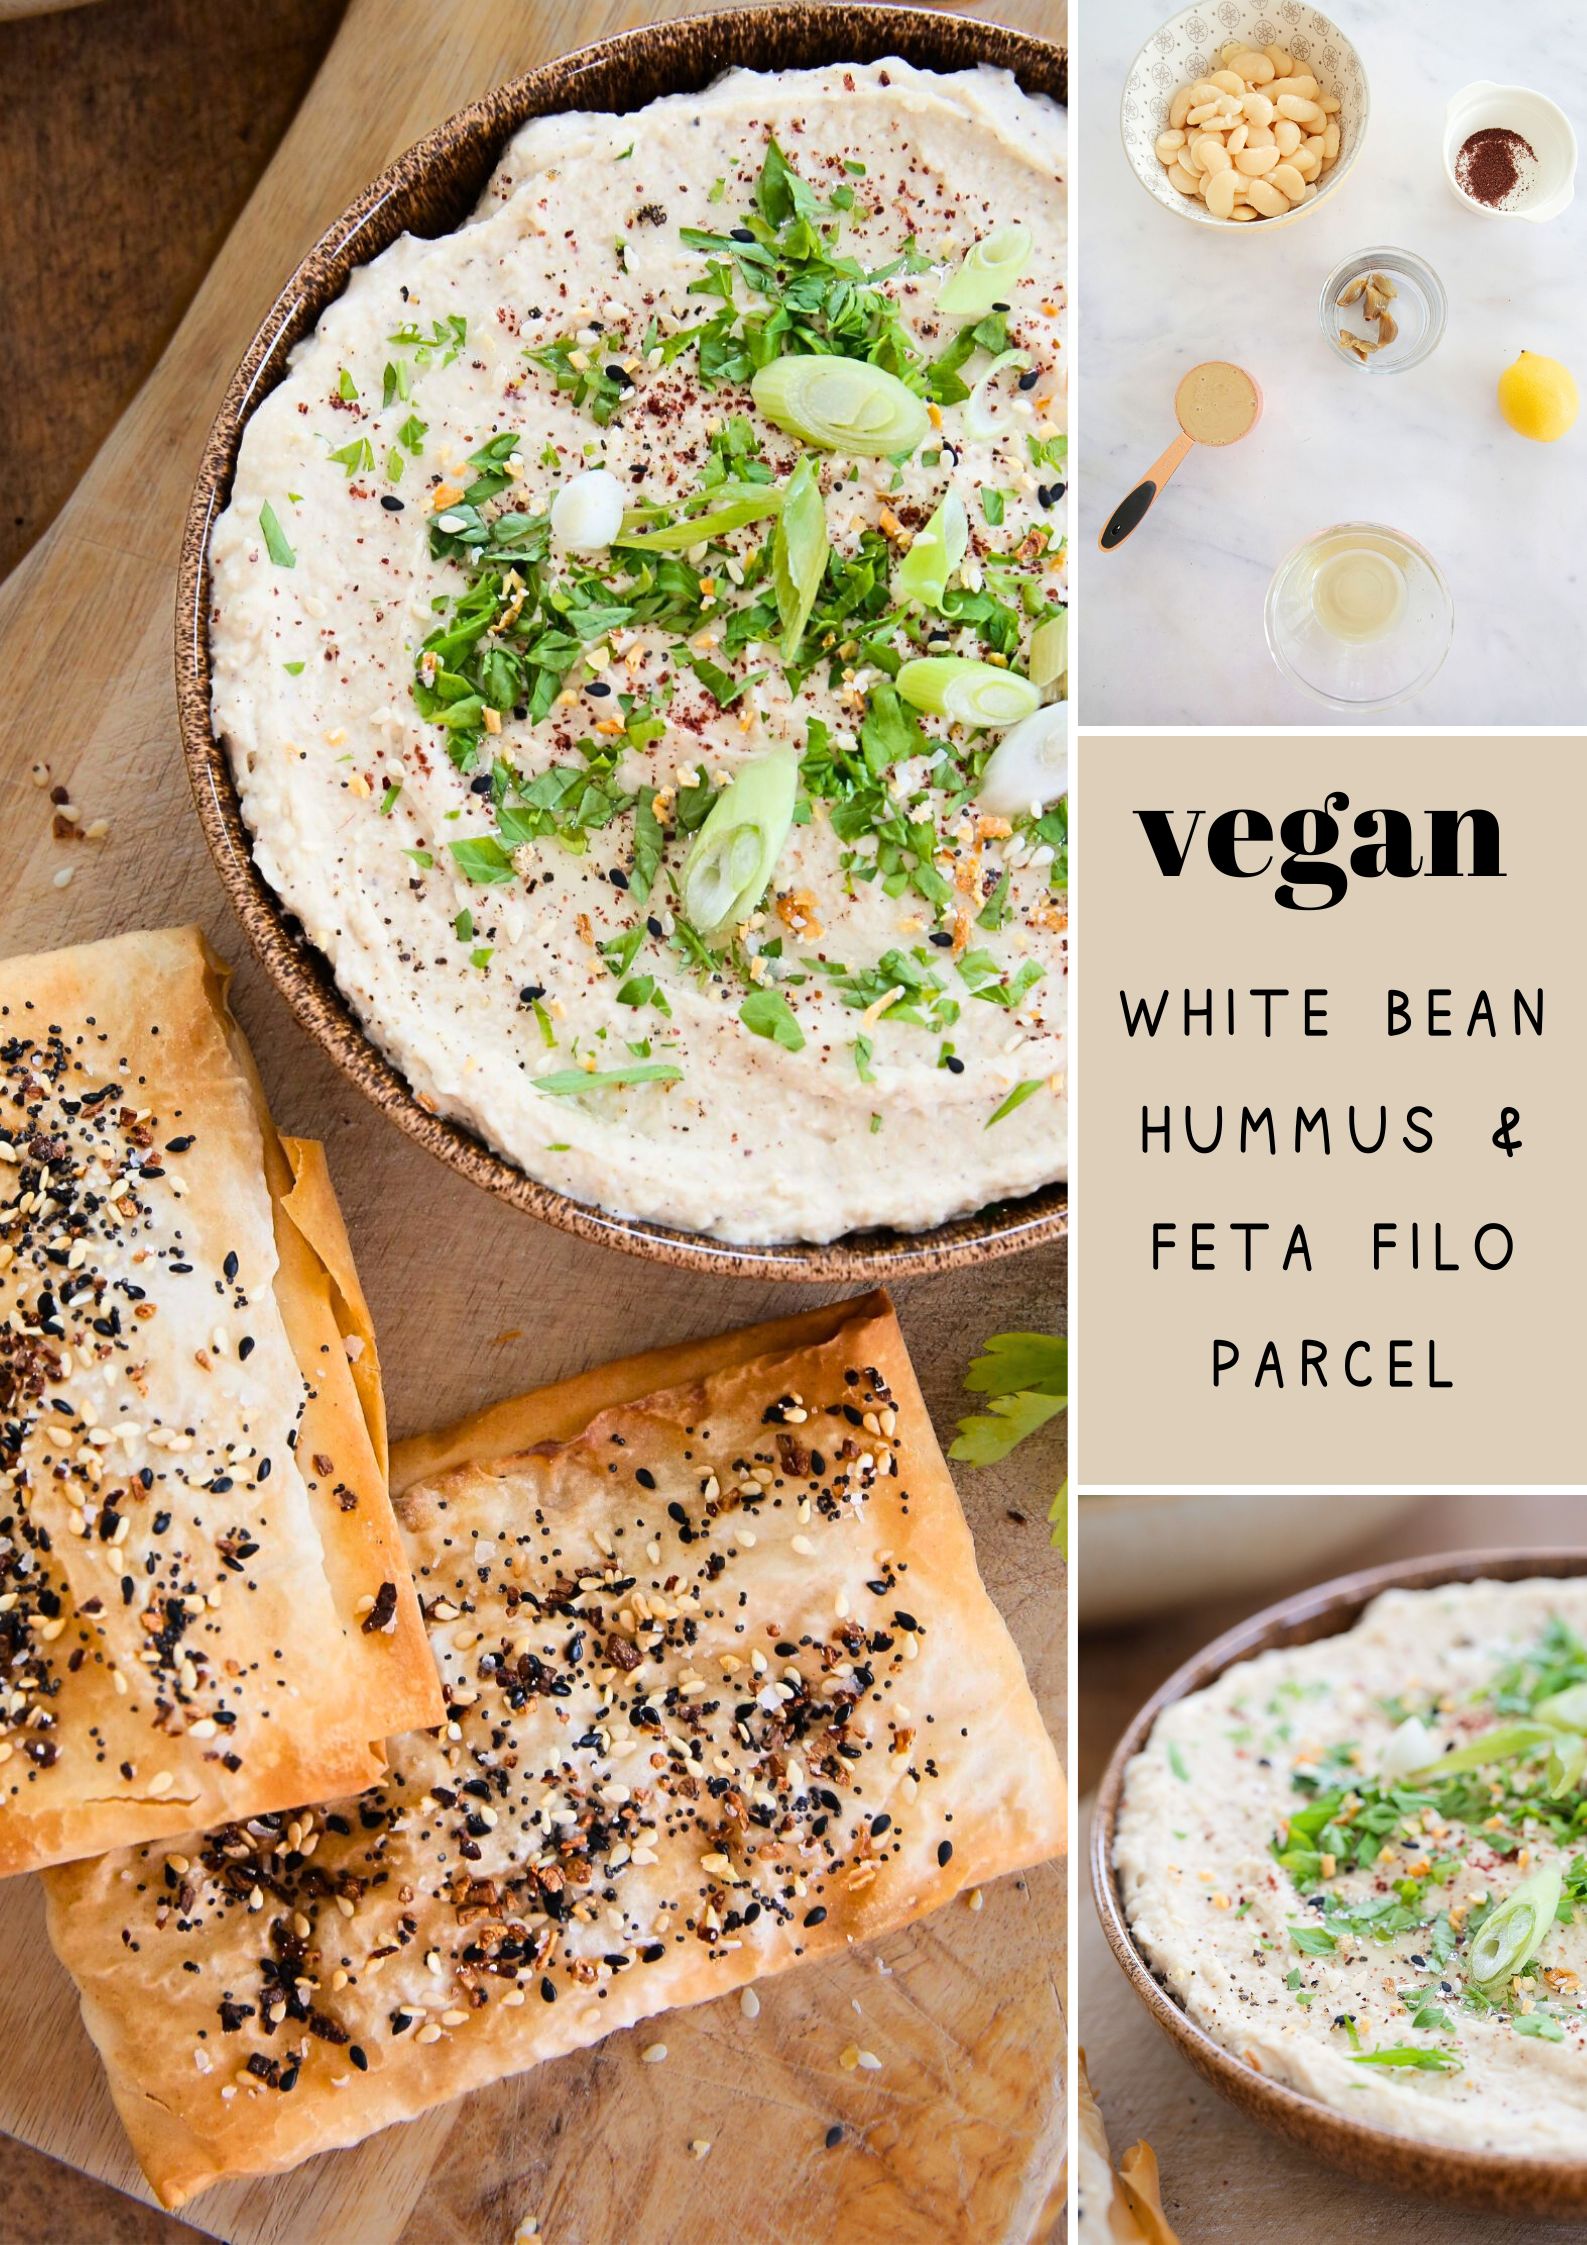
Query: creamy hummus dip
[1360,1865]
[478,743]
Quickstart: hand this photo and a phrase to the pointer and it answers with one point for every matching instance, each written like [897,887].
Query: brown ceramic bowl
[1551,2189]
[429,191]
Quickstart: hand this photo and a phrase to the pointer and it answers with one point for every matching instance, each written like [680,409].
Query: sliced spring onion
[936,553]
[1567,1708]
[1029,768]
[1511,1935]
[732,857]
[989,271]
[843,405]
[566,1083]
[1049,650]
[1566,1767]
[1505,1743]
[981,422]
[275,538]
[1420,2057]
[587,512]
[799,553]
[1410,1748]
[734,505]
[973,693]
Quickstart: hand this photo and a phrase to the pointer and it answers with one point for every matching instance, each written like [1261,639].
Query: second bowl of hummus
[1340,1857]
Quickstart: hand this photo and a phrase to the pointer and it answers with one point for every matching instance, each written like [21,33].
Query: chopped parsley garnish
[767,1013]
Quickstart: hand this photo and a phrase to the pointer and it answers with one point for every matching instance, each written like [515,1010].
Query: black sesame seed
[392,505]
[817,1916]
[741,234]
[954,1065]
[245,1347]
[481,784]
[599,688]
[644,1476]
[618,878]
[230,1265]
[944,1852]
[942,938]
[548,1991]
[530,992]
[358,2056]
[834,2136]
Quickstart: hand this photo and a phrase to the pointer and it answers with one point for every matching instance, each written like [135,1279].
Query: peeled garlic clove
[587,512]
[1029,768]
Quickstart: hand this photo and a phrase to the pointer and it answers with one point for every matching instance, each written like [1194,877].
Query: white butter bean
[1220,194]
[1252,137]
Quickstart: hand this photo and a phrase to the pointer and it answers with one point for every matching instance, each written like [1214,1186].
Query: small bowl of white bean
[1228,124]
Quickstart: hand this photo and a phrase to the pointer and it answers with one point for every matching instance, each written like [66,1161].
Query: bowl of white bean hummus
[625,641]
[1342,1858]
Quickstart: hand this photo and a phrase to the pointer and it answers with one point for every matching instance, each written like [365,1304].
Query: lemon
[1537,396]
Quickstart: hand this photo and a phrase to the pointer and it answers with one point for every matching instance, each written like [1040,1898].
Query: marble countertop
[1171,624]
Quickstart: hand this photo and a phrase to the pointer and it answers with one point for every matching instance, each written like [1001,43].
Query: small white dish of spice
[1509,152]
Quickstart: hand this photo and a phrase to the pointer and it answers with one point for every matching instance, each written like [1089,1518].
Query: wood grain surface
[134,132]
[474,1301]
[1226,2181]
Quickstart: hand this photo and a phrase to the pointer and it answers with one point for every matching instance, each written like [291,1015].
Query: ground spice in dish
[1494,165]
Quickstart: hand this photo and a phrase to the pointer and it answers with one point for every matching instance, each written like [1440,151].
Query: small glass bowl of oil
[1360,616]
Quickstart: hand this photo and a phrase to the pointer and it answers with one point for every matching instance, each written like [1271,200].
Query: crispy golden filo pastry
[205,1611]
[1116,2206]
[725,1693]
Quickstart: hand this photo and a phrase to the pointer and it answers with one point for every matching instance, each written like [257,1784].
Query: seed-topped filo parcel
[192,1496]
[723,1693]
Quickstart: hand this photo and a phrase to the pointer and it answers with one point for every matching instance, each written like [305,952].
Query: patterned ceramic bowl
[1188,46]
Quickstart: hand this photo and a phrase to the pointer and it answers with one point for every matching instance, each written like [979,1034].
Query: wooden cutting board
[472,1302]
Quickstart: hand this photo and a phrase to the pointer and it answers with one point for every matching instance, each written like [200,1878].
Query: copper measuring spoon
[1216,403]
